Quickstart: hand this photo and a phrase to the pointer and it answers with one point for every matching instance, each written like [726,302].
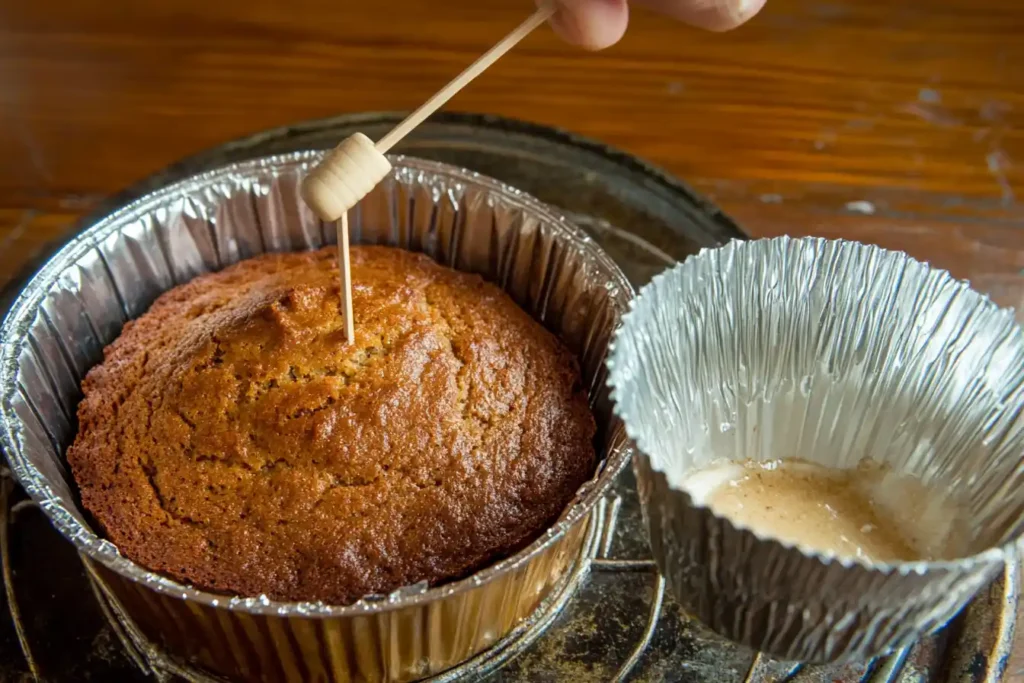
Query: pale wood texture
[344,176]
[897,122]
[345,271]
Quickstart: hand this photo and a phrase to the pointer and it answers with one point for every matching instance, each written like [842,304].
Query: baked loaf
[232,440]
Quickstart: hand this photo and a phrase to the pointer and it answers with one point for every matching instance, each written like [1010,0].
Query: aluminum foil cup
[831,352]
[113,271]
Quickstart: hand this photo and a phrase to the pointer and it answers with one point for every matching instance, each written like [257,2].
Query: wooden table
[896,122]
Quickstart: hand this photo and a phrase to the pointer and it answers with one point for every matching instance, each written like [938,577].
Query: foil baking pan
[112,272]
[832,352]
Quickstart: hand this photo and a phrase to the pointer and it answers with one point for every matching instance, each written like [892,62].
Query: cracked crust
[230,438]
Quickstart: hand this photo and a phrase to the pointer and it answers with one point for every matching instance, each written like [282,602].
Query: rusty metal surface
[615,623]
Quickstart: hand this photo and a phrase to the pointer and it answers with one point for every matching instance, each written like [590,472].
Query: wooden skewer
[345,270]
[351,170]
[463,79]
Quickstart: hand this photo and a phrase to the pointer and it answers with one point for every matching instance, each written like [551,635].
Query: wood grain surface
[896,122]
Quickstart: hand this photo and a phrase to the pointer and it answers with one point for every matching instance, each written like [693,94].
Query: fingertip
[711,15]
[736,13]
[591,24]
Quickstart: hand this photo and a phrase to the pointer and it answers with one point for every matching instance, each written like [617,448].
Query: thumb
[591,24]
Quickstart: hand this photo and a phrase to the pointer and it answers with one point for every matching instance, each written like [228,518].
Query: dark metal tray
[614,622]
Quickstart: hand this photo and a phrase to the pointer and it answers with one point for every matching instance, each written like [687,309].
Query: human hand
[597,24]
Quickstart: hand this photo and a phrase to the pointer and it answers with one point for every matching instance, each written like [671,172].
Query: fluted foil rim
[996,554]
[22,311]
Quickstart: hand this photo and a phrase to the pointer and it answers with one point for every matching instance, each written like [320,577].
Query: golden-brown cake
[232,440]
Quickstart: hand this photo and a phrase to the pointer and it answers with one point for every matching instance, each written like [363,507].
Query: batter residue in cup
[867,512]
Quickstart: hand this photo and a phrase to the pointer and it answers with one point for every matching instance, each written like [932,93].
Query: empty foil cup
[831,352]
[78,302]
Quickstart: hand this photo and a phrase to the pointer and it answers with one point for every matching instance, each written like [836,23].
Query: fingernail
[591,24]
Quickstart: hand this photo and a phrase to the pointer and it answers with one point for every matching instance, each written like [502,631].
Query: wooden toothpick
[345,270]
[348,172]
[463,79]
